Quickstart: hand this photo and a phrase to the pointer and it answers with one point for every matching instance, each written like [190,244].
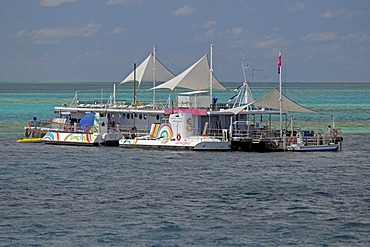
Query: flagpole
[280,98]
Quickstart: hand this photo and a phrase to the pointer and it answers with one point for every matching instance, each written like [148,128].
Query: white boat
[178,133]
[92,130]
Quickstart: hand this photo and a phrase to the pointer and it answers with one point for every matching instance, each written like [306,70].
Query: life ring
[178,137]
[292,139]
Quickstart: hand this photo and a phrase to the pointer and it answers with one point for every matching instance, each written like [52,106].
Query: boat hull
[30,140]
[81,139]
[196,145]
[313,148]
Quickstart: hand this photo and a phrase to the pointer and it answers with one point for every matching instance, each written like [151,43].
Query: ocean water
[109,196]
[100,196]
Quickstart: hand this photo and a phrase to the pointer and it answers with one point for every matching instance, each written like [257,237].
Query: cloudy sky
[99,40]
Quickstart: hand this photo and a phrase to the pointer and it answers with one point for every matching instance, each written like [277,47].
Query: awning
[271,100]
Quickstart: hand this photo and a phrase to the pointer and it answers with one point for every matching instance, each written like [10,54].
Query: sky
[99,40]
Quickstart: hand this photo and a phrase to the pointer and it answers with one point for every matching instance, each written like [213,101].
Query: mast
[244,83]
[154,72]
[134,84]
[211,75]
[114,94]
[280,98]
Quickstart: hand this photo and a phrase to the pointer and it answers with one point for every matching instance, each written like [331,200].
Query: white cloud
[340,13]
[339,58]
[332,36]
[54,3]
[118,30]
[359,36]
[208,25]
[297,7]
[323,36]
[184,10]
[237,30]
[271,41]
[208,31]
[46,35]
[116,2]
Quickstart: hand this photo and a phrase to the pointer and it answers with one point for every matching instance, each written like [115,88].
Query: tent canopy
[271,100]
[196,77]
[144,72]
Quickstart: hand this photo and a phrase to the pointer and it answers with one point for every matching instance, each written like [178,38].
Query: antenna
[256,69]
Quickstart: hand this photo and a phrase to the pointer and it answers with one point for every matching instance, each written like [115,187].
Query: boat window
[145,116]
[132,116]
[112,115]
[140,116]
[128,116]
[157,117]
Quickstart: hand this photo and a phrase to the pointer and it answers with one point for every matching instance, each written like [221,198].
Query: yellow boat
[29,140]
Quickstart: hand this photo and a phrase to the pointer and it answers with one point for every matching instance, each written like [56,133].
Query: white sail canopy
[271,100]
[196,77]
[144,72]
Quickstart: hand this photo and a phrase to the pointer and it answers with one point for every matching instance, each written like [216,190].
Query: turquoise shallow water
[348,102]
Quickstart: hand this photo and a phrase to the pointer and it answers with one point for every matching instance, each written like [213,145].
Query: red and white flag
[279,63]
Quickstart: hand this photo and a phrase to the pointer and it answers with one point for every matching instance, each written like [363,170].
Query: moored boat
[92,130]
[181,132]
[30,140]
[309,141]
[313,148]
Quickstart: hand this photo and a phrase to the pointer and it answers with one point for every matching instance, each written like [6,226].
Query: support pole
[211,77]
[154,73]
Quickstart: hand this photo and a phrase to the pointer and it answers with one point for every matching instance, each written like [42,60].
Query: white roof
[144,72]
[196,77]
[194,92]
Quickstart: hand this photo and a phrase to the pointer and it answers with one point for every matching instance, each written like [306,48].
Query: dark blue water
[83,196]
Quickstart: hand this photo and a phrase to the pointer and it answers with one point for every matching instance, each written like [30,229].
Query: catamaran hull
[81,139]
[177,145]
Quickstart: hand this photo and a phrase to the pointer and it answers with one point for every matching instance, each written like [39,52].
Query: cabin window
[128,116]
[157,117]
[112,115]
[145,116]
[132,116]
[140,116]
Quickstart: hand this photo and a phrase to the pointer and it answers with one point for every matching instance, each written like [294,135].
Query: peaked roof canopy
[271,100]
[144,72]
[196,77]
